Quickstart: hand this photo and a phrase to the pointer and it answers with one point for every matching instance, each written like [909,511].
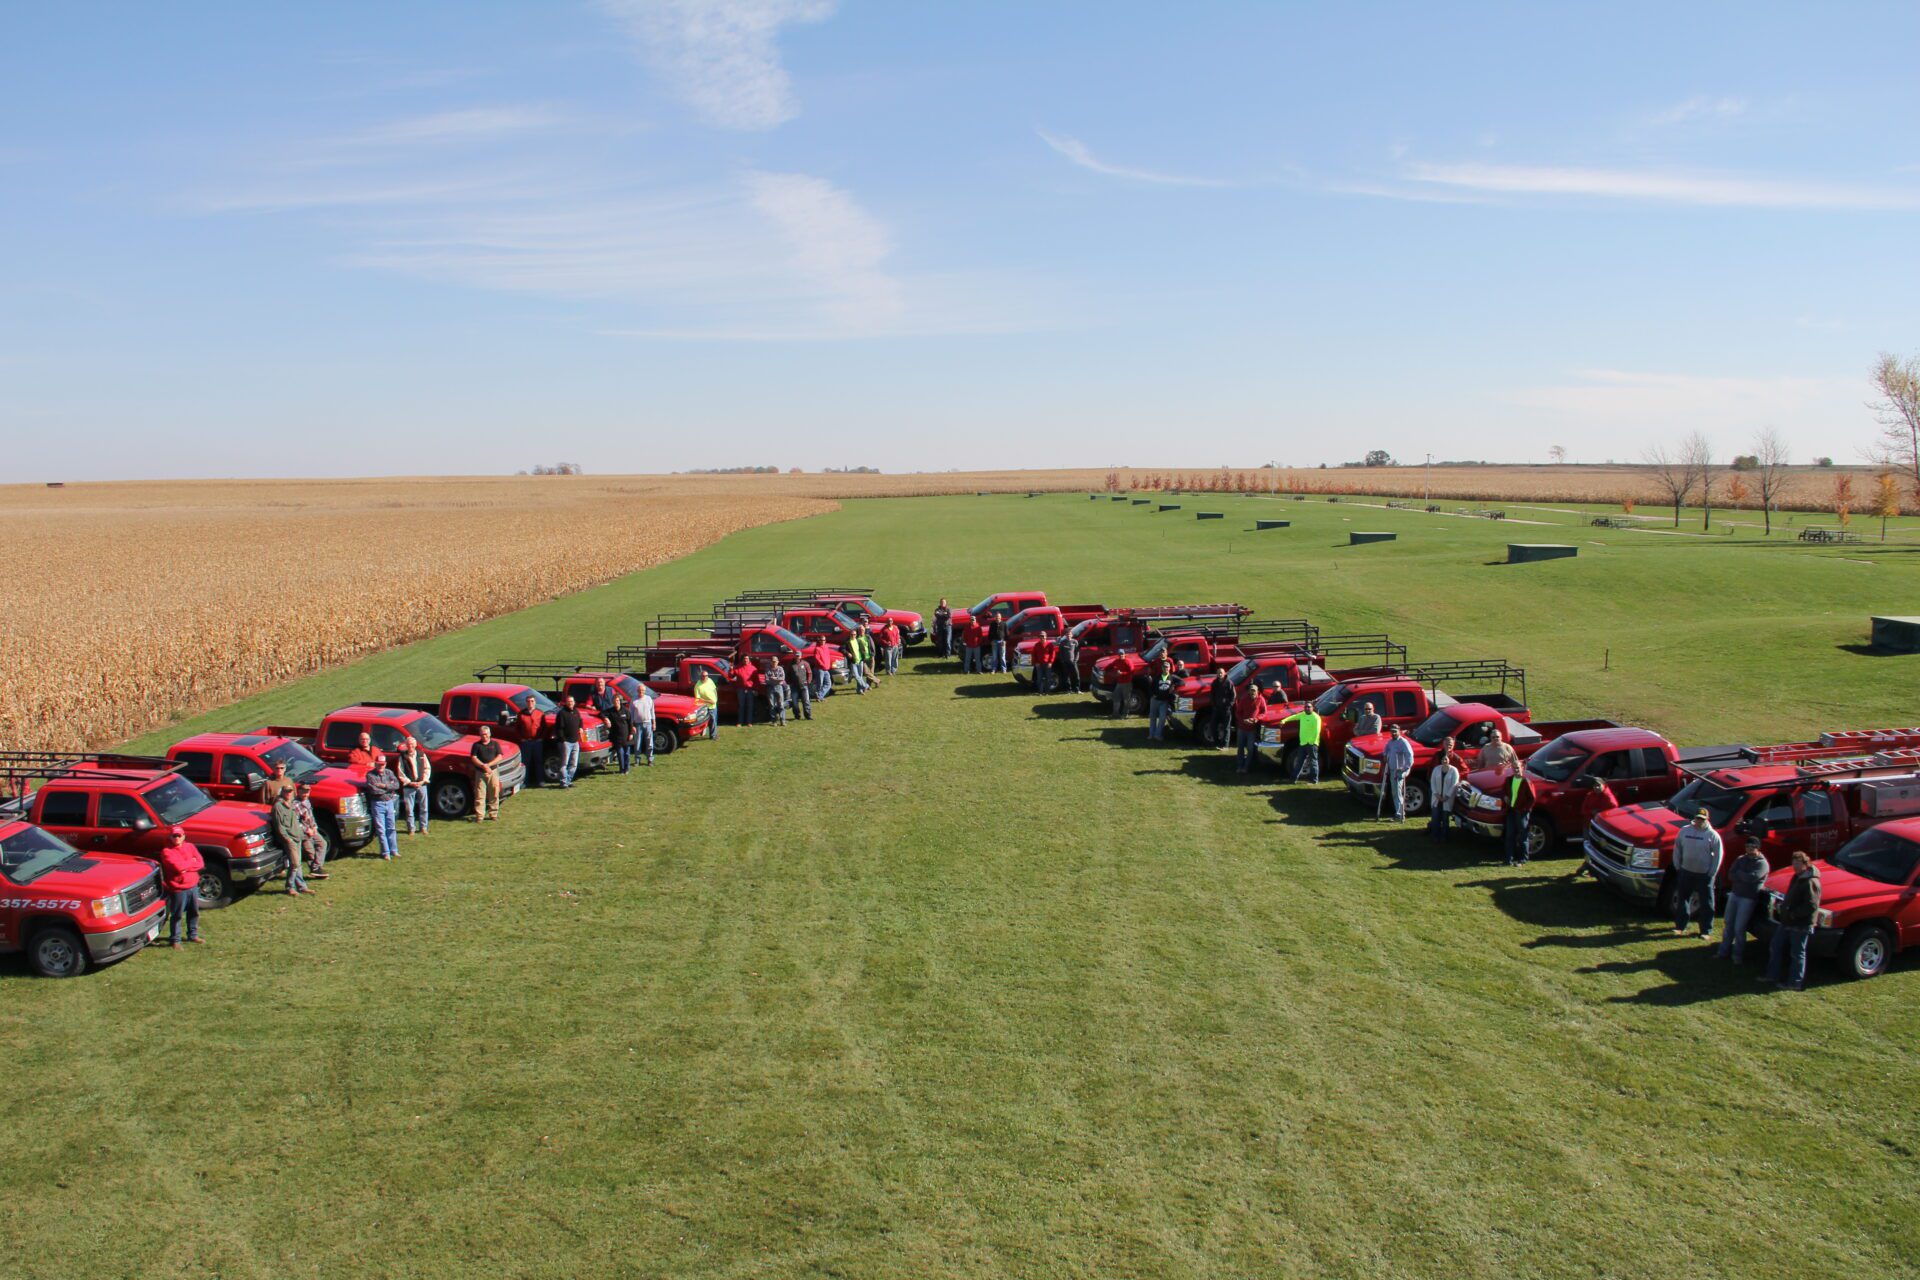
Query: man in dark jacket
[620,728]
[1160,701]
[1066,667]
[1513,832]
[799,688]
[1746,880]
[1787,956]
[567,728]
[486,777]
[382,786]
[943,629]
[1219,732]
[997,636]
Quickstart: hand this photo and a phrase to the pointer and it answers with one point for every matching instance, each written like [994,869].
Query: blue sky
[246,239]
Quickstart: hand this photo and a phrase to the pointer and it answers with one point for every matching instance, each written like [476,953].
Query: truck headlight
[1269,737]
[254,839]
[1481,800]
[1645,859]
[112,905]
[1183,704]
[354,806]
[1369,766]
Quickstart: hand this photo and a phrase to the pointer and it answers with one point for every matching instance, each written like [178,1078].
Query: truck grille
[1353,758]
[141,895]
[1608,845]
[597,734]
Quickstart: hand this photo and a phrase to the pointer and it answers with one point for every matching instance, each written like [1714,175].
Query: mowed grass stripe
[954,983]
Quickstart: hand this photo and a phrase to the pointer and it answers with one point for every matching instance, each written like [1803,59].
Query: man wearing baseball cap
[180,865]
[1696,862]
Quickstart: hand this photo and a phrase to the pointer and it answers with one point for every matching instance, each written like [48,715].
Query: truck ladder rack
[21,769]
[1463,670]
[555,671]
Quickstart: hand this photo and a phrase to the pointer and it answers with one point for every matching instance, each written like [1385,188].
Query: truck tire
[1135,702]
[452,798]
[55,951]
[1866,950]
[1664,902]
[1416,797]
[552,769]
[329,839]
[1542,840]
[666,741]
[216,886]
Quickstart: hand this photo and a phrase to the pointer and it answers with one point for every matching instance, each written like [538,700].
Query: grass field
[951,983]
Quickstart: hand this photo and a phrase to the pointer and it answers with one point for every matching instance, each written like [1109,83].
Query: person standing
[1513,829]
[620,730]
[798,691]
[821,669]
[890,637]
[568,725]
[180,865]
[1397,758]
[746,685]
[486,777]
[1246,725]
[1368,722]
[1443,780]
[1497,755]
[292,836]
[415,772]
[1066,667]
[997,636]
[1746,879]
[707,694]
[971,638]
[1598,800]
[643,724]
[1217,732]
[1787,954]
[1696,866]
[316,845]
[1306,751]
[775,679]
[361,757]
[1160,701]
[530,726]
[860,658]
[383,793]
[274,784]
[943,628]
[1044,652]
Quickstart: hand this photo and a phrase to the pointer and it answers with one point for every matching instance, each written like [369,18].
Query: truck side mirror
[143,823]
[254,780]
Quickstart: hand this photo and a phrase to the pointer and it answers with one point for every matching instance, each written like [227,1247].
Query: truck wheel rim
[209,887]
[56,953]
[450,801]
[1536,840]
[1871,955]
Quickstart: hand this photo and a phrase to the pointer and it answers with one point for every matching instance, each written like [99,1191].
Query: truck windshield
[1435,729]
[1079,630]
[982,607]
[1879,855]
[30,853]
[1156,652]
[533,698]
[1241,670]
[1555,762]
[845,623]
[302,764]
[176,800]
[632,688]
[1720,803]
[432,732]
[871,605]
[788,637]
[1330,701]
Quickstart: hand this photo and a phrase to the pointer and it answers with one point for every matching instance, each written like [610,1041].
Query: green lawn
[951,983]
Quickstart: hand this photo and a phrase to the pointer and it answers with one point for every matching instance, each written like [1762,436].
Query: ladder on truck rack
[1179,612]
[782,594]
[1463,670]
[1814,765]
[1296,630]
[21,770]
[1895,738]
[633,657]
[519,671]
[1378,645]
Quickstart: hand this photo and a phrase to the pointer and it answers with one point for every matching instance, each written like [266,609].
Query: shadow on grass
[1000,688]
[1069,707]
[1873,651]
[1558,901]
[1693,973]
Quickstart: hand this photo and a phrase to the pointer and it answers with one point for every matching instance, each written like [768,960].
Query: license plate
[153,930]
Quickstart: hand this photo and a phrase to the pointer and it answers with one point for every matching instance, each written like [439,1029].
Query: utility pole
[1426,479]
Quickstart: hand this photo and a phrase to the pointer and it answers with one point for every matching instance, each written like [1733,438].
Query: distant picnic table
[1828,535]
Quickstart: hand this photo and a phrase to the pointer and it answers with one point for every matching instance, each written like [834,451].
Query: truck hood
[461,752]
[1650,826]
[92,875]
[674,706]
[337,782]
[905,619]
[1839,889]
[225,820]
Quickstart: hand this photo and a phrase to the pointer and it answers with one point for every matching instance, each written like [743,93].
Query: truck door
[1634,775]
[1187,655]
[498,712]
[1474,736]
[197,767]
[1408,708]
[127,826]
[239,778]
[66,813]
[1818,827]
[1768,825]
[339,738]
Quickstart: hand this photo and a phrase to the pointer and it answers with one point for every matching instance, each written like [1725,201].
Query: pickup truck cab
[1130,630]
[1870,897]
[672,672]
[231,766]
[124,804]
[69,910]
[1638,765]
[855,602]
[1801,795]
[1025,628]
[1002,604]
[389,726]
[1197,652]
[465,707]
[677,718]
[1404,696]
[816,626]
[1286,671]
[1471,725]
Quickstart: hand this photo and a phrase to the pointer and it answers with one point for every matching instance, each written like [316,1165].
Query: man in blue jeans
[567,728]
[1696,866]
[1787,955]
[1160,703]
[1746,881]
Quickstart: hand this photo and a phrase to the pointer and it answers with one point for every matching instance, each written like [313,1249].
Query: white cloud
[721,56]
[833,242]
[1701,106]
[356,192]
[1722,190]
[1076,151]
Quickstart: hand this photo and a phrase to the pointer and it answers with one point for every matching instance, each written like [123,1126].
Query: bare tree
[1557,455]
[1898,410]
[1770,471]
[1678,468]
[1702,452]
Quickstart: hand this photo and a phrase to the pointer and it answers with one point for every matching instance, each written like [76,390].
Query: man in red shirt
[1598,800]
[972,637]
[748,681]
[1248,703]
[890,641]
[361,757]
[180,865]
[1045,653]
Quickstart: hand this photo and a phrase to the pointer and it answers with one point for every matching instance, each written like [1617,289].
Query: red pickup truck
[500,705]
[1798,795]
[671,672]
[101,802]
[677,718]
[389,726]
[705,635]
[1196,651]
[1003,603]
[1287,672]
[855,602]
[822,627]
[1130,630]
[1404,695]
[69,910]
[1471,725]
[231,766]
[1025,628]
[1870,894]
[1638,765]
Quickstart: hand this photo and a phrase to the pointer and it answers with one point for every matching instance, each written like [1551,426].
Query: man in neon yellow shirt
[1306,756]
[708,695]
